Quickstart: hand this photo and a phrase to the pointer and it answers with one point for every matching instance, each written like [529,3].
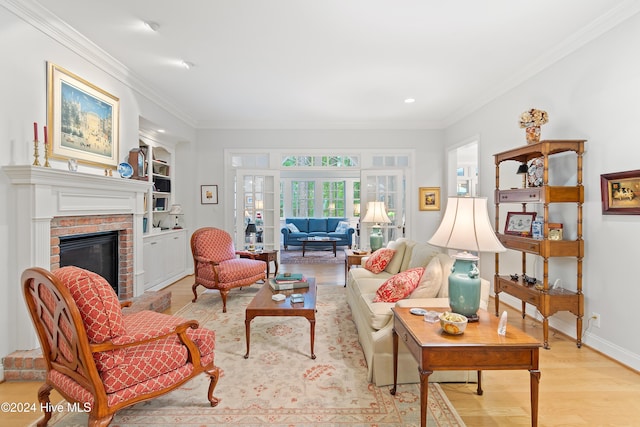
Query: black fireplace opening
[96,252]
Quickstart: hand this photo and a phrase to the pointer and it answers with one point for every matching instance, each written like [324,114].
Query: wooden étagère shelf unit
[546,299]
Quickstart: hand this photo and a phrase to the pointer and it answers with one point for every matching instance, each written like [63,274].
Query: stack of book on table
[289,281]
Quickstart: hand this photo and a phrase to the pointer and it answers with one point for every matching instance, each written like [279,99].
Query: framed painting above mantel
[82,119]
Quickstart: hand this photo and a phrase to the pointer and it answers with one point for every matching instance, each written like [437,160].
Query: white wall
[26,50]
[209,162]
[593,94]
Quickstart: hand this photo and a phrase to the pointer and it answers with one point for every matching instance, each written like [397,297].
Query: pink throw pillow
[399,286]
[379,260]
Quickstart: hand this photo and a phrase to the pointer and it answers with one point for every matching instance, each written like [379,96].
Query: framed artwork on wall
[620,193]
[83,120]
[429,198]
[209,194]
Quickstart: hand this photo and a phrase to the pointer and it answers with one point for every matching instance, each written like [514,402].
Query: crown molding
[46,22]
[595,29]
[43,20]
[319,125]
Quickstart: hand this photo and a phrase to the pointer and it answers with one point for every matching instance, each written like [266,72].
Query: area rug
[279,384]
[311,256]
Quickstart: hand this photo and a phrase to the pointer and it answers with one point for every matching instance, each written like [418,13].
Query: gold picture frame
[429,198]
[83,121]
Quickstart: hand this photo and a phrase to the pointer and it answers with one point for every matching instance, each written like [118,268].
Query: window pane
[321,161]
[302,198]
[333,198]
[356,199]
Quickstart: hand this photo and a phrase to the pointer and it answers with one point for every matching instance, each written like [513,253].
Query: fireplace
[93,231]
[51,203]
[96,252]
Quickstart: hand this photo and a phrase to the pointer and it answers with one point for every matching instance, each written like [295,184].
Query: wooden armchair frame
[67,350]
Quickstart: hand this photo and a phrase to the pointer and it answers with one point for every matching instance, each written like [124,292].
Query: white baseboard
[589,338]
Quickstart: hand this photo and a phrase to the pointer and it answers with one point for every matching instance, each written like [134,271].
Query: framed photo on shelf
[429,198]
[208,194]
[620,193]
[83,121]
[519,223]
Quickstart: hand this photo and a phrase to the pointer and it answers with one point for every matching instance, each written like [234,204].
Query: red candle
[45,135]
[35,131]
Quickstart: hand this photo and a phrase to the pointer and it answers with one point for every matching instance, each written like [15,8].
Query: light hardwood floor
[578,387]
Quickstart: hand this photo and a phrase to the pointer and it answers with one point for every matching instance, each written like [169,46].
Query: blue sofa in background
[299,228]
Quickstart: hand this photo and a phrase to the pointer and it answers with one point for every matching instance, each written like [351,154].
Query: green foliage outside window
[302,198]
[321,161]
[333,198]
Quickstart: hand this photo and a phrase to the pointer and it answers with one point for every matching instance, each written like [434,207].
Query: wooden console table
[478,348]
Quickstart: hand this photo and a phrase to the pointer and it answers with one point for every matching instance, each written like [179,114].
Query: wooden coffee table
[478,348]
[263,305]
[319,242]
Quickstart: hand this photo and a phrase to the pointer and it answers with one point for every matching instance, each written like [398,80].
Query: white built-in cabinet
[165,258]
[164,245]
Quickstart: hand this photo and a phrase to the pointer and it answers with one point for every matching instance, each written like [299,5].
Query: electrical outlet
[595,319]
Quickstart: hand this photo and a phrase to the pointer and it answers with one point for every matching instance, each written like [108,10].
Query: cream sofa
[374,320]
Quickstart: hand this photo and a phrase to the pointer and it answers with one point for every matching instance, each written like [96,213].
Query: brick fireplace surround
[78,225]
[51,203]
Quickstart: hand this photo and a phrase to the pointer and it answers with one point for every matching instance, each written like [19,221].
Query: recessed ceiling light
[186,64]
[161,130]
[409,101]
[150,25]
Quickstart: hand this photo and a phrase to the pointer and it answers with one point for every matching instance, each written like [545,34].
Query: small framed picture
[519,223]
[620,193]
[209,194]
[429,198]
[555,231]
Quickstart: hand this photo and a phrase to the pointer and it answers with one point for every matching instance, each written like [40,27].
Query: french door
[386,186]
[258,202]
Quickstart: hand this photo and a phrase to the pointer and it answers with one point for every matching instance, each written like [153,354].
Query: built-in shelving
[165,242]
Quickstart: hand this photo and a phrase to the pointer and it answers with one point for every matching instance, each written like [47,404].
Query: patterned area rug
[312,256]
[279,384]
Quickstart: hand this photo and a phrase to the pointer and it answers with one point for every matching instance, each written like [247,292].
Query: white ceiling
[335,63]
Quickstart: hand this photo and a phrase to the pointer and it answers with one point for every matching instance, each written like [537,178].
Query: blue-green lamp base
[464,288]
[375,241]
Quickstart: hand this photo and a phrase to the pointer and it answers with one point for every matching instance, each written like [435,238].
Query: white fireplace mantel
[40,194]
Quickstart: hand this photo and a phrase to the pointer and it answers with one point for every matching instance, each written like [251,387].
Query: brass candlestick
[36,162]
[46,156]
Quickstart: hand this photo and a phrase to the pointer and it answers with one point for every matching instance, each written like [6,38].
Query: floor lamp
[377,214]
[466,227]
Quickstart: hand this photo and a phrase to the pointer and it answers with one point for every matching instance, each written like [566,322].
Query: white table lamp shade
[466,226]
[376,213]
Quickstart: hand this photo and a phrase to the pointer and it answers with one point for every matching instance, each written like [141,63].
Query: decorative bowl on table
[453,323]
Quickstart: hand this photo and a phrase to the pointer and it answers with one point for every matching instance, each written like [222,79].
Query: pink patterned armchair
[217,266]
[102,359]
